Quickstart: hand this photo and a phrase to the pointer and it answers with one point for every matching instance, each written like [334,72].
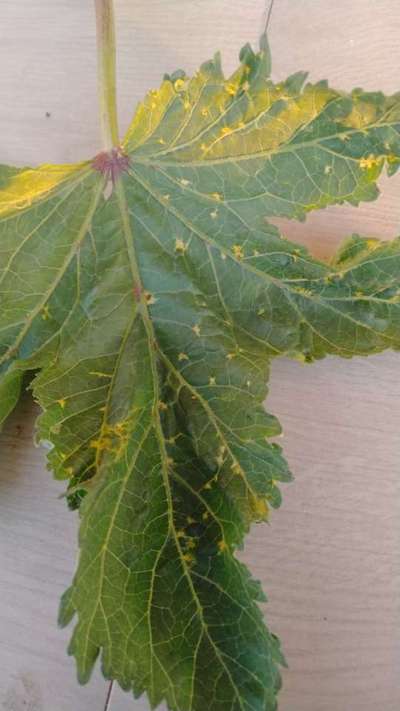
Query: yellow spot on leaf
[212,381]
[223,546]
[149,297]
[188,558]
[196,330]
[45,313]
[238,251]
[162,406]
[183,356]
[226,130]
[179,85]
[369,162]
[216,196]
[180,246]
[62,403]
[102,444]
[231,89]
[260,507]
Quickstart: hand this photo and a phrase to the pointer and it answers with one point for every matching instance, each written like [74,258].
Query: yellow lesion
[45,313]
[29,186]
[392,158]
[260,508]
[304,292]
[181,246]
[149,298]
[182,357]
[370,162]
[363,114]
[231,88]
[196,330]
[62,403]
[102,444]
[223,546]
[113,438]
[238,251]
[179,85]
[188,558]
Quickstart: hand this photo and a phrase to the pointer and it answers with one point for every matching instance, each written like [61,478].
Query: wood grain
[330,560]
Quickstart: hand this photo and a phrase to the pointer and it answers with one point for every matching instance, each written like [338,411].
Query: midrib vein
[128,234]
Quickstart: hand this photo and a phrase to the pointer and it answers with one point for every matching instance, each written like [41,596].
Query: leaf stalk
[106,57]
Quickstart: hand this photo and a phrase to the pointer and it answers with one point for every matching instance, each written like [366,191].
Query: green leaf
[150,317]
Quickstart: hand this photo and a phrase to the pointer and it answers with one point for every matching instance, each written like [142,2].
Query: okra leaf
[148,292]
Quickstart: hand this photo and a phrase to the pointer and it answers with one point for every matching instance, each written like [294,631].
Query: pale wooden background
[330,561]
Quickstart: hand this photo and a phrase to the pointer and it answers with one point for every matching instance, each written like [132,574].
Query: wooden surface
[330,561]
